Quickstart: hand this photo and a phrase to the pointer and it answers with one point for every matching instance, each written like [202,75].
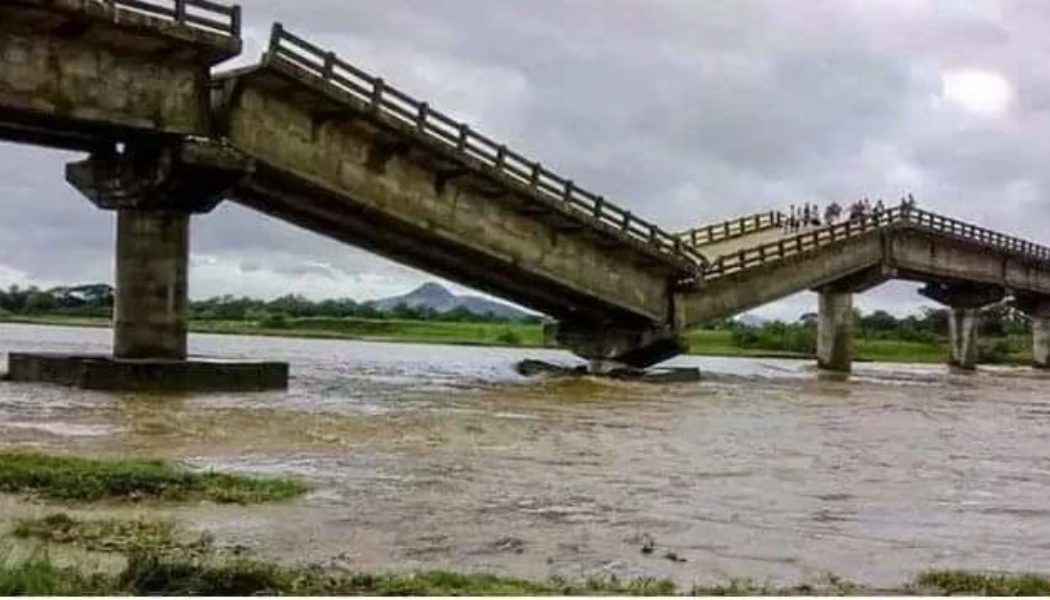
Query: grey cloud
[681,110]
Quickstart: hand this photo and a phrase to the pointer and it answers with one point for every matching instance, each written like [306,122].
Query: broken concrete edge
[104,373]
[534,368]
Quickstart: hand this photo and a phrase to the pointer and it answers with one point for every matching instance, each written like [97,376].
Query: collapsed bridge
[311,139]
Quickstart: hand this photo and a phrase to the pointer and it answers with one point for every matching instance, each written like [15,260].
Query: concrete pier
[151,304]
[835,332]
[962,337]
[1041,342]
[965,301]
[1038,309]
[154,191]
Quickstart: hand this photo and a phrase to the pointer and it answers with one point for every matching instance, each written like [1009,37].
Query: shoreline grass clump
[68,478]
[975,583]
[101,535]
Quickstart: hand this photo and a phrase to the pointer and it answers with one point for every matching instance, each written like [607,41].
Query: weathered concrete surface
[105,373]
[1041,342]
[835,331]
[760,285]
[150,313]
[612,348]
[963,324]
[352,176]
[356,179]
[1038,309]
[78,74]
[154,189]
[965,301]
[925,256]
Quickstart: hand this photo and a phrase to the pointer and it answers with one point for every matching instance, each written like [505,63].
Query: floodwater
[443,457]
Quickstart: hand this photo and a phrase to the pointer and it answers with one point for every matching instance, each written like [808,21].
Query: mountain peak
[431,291]
[434,296]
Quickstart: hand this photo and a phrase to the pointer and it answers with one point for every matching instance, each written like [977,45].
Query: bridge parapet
[732,228]
[493,159]
[898,217]
[201,14]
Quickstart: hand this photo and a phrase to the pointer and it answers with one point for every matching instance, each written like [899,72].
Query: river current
[427,456]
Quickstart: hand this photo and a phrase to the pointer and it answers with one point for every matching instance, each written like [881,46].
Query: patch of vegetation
[106,535]
[81,479]
[160,574]
[983,584]
[157,565]
[39,576]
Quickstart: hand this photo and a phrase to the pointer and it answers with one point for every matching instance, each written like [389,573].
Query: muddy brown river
[443,457]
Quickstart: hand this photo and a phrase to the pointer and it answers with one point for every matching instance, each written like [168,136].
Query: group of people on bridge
[810,215]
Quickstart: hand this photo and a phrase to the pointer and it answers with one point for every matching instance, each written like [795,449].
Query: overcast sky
[685,111]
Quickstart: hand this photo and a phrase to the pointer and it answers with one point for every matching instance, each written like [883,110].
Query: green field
[705,342]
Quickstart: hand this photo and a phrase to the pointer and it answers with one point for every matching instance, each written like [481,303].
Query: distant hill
[436,297]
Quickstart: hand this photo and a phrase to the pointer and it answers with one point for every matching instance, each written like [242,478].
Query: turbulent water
[443,457]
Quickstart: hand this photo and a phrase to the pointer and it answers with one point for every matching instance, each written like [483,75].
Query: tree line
[1002,331]
[96,300]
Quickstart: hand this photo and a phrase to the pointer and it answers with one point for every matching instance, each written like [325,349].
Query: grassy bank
[709,342]
[701,342]
[68,478]
[206,571]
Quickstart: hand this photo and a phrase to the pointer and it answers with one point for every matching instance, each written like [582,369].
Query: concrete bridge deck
[312,139]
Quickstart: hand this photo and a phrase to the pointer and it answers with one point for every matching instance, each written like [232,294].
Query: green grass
[157,564]
[956,583]
[70,478]
[104,535]
[149,573]
[39,576]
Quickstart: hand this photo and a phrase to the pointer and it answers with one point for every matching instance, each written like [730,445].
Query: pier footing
[114,374]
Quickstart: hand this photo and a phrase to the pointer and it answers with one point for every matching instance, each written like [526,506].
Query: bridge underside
[333,167]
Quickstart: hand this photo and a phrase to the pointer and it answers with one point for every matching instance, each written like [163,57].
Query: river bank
[424,458]
[59,548]
[706,342]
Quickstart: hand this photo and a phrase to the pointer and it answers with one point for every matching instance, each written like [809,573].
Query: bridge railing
[832,234]
[717,232]
[203,14]
[512,167]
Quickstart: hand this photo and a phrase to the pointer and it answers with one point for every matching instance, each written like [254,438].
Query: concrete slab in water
[94,372]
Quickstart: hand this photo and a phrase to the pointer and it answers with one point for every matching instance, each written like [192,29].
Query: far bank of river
[703,342]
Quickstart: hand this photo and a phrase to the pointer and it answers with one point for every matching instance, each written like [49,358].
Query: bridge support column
[154,191]
[611,347]
[962,337]
[965,302]
[1041,342]
[835,331]
[1038,309]
[151,300]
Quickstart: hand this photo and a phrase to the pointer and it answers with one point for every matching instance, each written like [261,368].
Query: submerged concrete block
[112,374]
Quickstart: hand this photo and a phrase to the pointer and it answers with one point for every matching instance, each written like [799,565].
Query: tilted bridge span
[309,138]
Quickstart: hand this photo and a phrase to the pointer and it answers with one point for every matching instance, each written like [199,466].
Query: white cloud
[978,91]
